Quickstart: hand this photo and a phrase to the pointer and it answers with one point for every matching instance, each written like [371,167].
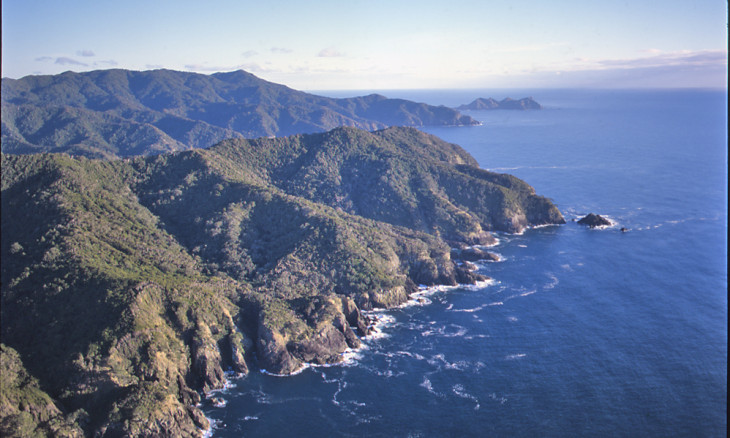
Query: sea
[582,332]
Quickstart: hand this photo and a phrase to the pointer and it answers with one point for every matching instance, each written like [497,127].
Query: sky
[379,45]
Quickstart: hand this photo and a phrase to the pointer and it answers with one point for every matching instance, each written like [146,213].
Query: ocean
[583,332]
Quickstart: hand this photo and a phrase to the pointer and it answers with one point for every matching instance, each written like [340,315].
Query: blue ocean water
[583,332]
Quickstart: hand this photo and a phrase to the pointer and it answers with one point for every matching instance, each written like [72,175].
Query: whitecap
[472,310]
[458,389]
[515,356]
[512,319]
[299,370]
[553,282]
[495,397]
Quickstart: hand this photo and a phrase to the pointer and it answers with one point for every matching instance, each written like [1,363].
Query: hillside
[130,286]
[120,113]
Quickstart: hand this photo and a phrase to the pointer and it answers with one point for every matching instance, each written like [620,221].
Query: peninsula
[130,286]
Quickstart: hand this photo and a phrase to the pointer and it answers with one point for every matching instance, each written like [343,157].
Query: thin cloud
[698,58]
[63,60]
[249,53]
[219,68]
[330,52]
[86,53]
[281,50]
[44,59]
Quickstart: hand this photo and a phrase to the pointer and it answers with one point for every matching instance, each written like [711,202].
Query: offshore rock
[594,220]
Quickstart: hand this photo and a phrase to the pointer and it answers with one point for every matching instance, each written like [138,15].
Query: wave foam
[553,282]
[458,389]
[515,356]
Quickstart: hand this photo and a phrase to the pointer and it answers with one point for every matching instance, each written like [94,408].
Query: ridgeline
[121,113]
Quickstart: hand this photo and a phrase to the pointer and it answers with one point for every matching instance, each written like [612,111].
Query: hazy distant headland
[526,103]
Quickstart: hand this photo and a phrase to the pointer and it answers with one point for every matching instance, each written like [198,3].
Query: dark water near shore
[584,332]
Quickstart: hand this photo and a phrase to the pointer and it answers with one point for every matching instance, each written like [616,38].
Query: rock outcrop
[594,220]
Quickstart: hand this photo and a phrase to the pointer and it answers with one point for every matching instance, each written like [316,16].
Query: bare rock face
[207,359]
[324,347]
[238,361]
[273,354]
[594,220]
[473,254]
[354,317]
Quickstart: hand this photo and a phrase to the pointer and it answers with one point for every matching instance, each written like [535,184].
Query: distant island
[526,103]
[120,113]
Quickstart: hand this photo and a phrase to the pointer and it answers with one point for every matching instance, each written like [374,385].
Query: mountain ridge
[118,113]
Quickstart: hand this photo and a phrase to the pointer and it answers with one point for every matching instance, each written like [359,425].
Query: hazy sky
[352,44]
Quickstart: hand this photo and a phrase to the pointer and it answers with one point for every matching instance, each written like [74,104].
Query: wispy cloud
[85,53]
[683,58]
[330,52]
[61,60]
[281,50]
[64,60]
[249,53]
[203,67]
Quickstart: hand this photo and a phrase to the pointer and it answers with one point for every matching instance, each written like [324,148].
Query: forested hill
[128,286]
[119,113]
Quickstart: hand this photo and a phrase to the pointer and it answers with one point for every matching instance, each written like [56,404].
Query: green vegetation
[119,113]
[129,286]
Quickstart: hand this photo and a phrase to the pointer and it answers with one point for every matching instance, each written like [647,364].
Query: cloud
[63,60]
[330,52]
[107,62]
[281,50]
[249,53]
[683,58]
[86,53]
[221,68]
